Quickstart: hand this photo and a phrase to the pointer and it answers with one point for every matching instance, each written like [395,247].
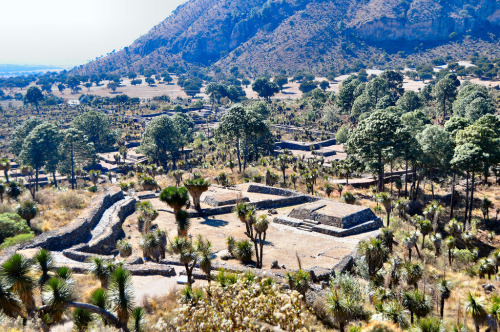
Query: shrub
[18,239]
[298,281]
[243,251]
[349,197]
[231,244]
[11,225]
[255,299]
[93,189]
[123,186]
[124,248]
[147,182]
[27,210]
[71,200]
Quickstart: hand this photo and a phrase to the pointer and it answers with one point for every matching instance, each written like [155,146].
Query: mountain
[318,35]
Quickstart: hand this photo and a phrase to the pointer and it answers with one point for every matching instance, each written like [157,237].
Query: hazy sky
[72,32]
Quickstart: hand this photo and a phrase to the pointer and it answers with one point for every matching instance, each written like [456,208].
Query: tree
[5,167]
[473,101]
[27,210]
[41,148]
[437,149]
[43,261]
[101,270]
[324,85]
[425,227]
[177,198]
[185,127]
[417,303]
[265,88]
[445,92]
[161,140]
[386,201]
[21,132]
[76,153]
[280,81]
[372,138]
[410,101]
[151,246]
[413,272]
[444,288]
[345,300]
[248,131]
[97,127]
[375,253]
[256,228]
[190,253]
[196,188]
[342,135]
[307,86]
[475,308]
[72,82]
[150,81]
[346,96]
[33,96]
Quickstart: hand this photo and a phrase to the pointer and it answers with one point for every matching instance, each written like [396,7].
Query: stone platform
[331,218]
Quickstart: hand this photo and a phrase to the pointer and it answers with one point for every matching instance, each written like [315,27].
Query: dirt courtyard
[282,242]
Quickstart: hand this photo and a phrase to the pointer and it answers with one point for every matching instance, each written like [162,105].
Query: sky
[73,32]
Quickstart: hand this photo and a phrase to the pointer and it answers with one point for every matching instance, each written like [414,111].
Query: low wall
[112,232]
[77,231]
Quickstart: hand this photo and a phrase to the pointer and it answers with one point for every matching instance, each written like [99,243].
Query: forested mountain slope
[260,35]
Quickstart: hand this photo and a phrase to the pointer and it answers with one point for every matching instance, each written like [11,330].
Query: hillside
[318,35]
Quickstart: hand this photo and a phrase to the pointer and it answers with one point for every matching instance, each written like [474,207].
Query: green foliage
[265,88]
[15,240]
[11,225]
[97,127]
[298,281]
[342,135]
[243,251]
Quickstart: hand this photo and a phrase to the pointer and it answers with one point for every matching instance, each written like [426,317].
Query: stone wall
[302,146]
[105,242]
[79,230]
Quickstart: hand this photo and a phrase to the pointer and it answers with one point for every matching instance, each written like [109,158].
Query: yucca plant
[57,294]
[151,246]
[298,281]
[43,262]
[196,188]
[16,274]
[27,210]
[101,270]
[124,247]
[9,302]
[244,251]
[475,308]
[183,223]
[138,323]
[81,319]
[121,294]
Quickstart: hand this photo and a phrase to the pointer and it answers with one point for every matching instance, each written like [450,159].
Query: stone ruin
[332,218]
[217,197]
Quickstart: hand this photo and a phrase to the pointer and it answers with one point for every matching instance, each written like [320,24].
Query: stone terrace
[332,218]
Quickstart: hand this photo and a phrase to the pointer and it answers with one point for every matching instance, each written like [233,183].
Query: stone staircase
[307,225]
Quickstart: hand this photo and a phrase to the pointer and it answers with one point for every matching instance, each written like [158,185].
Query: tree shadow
[214,222]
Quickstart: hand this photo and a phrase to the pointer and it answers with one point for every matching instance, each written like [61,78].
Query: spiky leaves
[121,294]
[196,187]
[16,274]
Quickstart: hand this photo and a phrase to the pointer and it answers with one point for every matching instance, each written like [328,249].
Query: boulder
[134,260]
[275,265]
